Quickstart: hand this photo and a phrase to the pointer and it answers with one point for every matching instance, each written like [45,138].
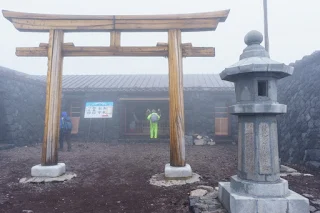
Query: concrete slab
[224,192]
[208,188]
[161,180]
[62,178]
[48,171]
[243,203]
[297,203]
[177,172]
[198,193]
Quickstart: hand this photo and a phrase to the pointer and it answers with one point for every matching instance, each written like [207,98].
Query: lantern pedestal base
[237,201]
[260,189]
[48,171]
[172,172]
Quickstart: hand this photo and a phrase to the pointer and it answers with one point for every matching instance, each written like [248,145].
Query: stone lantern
[257,187]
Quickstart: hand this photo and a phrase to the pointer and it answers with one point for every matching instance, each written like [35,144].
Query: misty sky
[293,29]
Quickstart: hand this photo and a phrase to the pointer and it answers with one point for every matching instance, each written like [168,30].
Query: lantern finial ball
[253,37]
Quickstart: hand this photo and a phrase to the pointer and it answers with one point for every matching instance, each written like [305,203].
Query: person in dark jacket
[65,131]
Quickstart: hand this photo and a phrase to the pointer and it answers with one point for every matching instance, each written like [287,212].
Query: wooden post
[115,37]
[176,104]
[53,99]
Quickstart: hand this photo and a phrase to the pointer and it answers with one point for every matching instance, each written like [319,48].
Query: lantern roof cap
[255,59]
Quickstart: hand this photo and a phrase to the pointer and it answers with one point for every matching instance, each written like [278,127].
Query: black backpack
[67,124]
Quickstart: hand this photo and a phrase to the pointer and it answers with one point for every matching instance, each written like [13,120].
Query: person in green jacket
[154,117]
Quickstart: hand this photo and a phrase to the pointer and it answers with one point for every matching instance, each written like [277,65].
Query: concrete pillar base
[236,202]
[172,172]
[48,171]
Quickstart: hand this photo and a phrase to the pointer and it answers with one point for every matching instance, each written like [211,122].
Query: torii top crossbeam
[31,22]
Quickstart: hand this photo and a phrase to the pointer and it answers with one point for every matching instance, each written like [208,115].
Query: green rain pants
[153,130]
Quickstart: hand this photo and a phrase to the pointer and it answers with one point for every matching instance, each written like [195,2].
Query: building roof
[192,82]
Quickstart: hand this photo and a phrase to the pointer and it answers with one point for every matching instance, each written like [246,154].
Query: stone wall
[22,103]
[299,129]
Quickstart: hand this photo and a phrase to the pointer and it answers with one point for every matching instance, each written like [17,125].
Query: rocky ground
[306,186]
[114,178]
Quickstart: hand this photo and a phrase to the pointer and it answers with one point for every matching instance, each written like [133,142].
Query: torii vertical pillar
[177,167]
[49,162]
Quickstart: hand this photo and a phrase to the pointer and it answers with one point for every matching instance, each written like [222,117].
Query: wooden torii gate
[56,49]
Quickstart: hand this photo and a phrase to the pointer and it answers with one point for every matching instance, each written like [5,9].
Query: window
[75,109]
[263,88]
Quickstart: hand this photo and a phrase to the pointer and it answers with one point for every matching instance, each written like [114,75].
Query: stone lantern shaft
[258,158]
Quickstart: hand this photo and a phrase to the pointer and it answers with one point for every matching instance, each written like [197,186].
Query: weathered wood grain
[12,14]
[185,25]
[223,14]
[64,44]
[53,99]
[34,25]
[176,104]
[182,45]
[159,44]
[198,51]
[115,38]
[69,50]
[28,22]
[115,51]
[32,51]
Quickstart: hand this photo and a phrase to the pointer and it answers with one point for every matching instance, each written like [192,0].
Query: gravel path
[114,178]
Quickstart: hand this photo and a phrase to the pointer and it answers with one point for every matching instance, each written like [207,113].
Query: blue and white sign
[98,110]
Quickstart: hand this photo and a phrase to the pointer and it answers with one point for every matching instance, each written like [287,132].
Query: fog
[293,33]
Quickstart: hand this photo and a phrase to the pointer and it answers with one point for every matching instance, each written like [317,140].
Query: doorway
[134,117]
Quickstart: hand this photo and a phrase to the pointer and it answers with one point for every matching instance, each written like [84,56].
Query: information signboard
[98,110]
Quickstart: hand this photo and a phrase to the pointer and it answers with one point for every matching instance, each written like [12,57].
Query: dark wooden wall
[199,112]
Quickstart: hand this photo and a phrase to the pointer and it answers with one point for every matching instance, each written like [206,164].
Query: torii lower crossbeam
[69,50]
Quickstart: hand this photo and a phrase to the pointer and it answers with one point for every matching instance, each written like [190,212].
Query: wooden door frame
[228,117]
[124,102]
